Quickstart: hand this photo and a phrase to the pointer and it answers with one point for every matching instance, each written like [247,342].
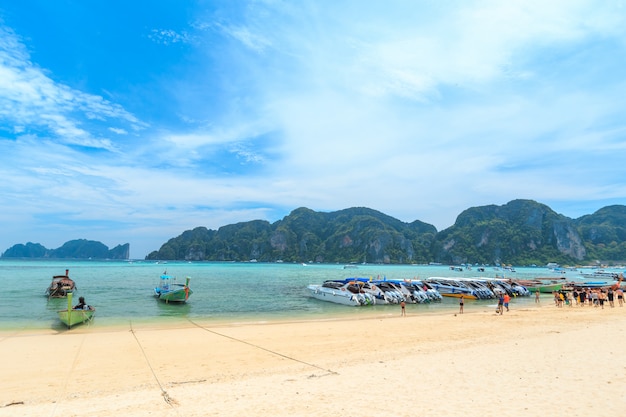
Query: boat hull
[171,292]
[333,295]
[60,286]
[458,295]
[175,296]
[74,317]
[545,288]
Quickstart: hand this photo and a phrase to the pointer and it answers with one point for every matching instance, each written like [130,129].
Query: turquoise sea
[122,291]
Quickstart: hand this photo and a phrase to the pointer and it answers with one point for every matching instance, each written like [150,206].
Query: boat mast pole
[69,310]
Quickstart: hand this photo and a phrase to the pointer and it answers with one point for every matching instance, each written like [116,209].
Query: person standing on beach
[601,298]
[595,300]
[500,304]
[506,300]
[403,308]
[537,296]
[620,297]
[461,305]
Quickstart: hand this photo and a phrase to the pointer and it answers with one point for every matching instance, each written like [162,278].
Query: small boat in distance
[171,292]
[60,286]
[542,285]
[72,317]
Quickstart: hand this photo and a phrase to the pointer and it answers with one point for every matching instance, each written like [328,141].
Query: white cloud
[168,36]
[28,97]
[419,110]
[118,131]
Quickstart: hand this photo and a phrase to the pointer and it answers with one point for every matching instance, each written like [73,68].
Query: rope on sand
[169,400]
[69,373]
[262,348]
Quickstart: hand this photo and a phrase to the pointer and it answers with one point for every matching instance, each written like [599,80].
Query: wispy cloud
[30,99]
[419,110]
[168,36]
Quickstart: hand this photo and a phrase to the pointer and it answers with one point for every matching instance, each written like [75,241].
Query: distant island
[521,232]
[74,249]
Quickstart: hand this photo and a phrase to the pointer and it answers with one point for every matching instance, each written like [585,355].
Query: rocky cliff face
[568,240]
[520,232]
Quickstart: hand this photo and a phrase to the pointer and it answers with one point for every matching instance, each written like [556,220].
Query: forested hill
[73,249]
[521,232]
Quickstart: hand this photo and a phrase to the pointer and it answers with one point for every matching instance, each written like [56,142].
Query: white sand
[537,361]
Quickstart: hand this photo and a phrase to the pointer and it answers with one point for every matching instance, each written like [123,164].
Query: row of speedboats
[477,288]
[365,291]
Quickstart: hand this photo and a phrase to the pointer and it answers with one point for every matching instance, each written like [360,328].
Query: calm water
[224,292]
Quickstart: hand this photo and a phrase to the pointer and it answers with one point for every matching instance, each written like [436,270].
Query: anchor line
[262,348]
[166,397]
[69,374]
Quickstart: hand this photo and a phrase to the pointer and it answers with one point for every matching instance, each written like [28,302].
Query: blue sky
[133,121]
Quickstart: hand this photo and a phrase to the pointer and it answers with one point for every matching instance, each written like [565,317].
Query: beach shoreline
[440,363]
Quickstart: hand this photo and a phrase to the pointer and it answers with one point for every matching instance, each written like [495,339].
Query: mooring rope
[262,348]
[170,401]
[69,374]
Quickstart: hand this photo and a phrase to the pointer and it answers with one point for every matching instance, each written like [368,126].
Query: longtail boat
[171,292]
[541,286]
[72,317]
[60,286]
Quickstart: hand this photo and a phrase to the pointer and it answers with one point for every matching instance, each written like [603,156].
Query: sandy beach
[533,361]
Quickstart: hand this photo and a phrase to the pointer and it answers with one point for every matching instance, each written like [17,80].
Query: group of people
[596,297]
[580,296]
[503,302]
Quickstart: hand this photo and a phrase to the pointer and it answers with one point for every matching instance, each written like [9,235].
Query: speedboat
[481,289]
[414,292]
[391,293]
[431,292]
[382,291]
[449,287]
[350,293]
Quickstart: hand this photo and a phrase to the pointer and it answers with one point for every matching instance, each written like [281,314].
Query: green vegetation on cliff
[351,235]
[521,232]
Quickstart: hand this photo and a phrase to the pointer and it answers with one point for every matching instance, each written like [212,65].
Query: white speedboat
[449,287]
[388,292]
[431,293]
[341,292]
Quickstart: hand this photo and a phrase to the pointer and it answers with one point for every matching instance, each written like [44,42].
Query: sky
[133,121]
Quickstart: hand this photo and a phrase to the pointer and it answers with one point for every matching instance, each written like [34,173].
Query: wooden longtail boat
[171,292]
[541,286]
[60,286]
[71,317]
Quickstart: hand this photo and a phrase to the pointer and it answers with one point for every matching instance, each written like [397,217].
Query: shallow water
[122,291]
